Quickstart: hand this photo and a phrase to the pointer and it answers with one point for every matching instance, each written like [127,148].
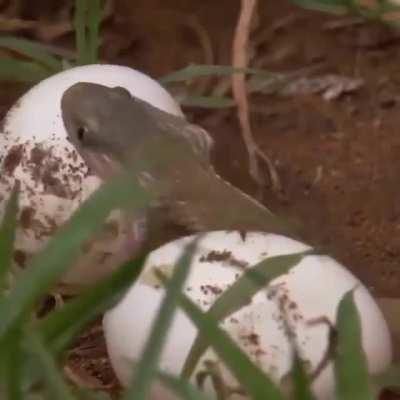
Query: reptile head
[109,127]
[98,120]
[90,112]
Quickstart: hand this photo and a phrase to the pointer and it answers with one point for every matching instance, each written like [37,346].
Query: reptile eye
[81,132]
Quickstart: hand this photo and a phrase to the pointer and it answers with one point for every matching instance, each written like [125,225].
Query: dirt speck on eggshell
[252,338]
[20,257]
[224,256]
[45,173]
[217,256]
[243,235]
[46,168]
[38,154]
[13,158]
[213,289]
[110,230]
[26,217]
[51,223]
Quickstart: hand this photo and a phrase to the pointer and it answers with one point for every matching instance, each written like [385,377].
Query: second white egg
[310,291]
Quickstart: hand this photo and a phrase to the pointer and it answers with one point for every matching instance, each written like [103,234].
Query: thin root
[240,60]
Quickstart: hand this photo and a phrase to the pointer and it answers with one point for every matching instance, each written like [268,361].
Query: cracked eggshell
[53,178]
[311,290]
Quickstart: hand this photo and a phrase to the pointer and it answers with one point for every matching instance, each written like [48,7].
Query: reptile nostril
[81,132]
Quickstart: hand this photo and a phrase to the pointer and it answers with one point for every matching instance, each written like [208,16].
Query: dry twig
[240,60]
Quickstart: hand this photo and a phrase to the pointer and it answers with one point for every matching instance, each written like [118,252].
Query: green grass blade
[388,6]
[254,279]
[13,361]
[87,394]
[375,10]
[147,367]
[61,251]
[339,7]
[207,101]
[239,295]
[351,371]
[197,70]
[60,327]
[94,19]
[33,50]
[271,85]
[389,378]
[182,388]
[21,71]
[300,381]
[7,237]
[50,372]
[81,42]
[258,385]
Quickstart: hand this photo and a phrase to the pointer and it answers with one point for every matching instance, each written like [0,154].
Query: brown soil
[338,161]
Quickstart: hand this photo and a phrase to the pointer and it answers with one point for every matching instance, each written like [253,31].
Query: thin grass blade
[387,379]
[12,360]
[207,101]
[33,50]
[147,367]
[257,384]
[7,237]
[60,327]
[338,7]
[54,381]
[351,371]
[181,387]
[239,295]
[81,42]
[64,248]
[197,70]
[93,24]
[22,71]
[300,380]
[86,394]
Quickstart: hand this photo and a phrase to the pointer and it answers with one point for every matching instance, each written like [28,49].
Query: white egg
[53,178]
[311,290]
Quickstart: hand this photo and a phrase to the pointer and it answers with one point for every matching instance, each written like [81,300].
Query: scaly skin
[111,129]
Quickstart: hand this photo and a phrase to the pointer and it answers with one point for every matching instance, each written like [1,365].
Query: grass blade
[87,394]
[81,8]
[390,378]
[207,101]
[258,385]
[50,373]
[33,50]
[60,327]
[182,388]
[339,7]
[61,251]
[147,365]
[239,295]
[7,236]
[13,360]
[300,381]
[198,70]
[255,278]
[22,71]
[351,371]
[94,19]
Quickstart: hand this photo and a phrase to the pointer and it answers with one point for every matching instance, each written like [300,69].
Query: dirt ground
[338,161]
